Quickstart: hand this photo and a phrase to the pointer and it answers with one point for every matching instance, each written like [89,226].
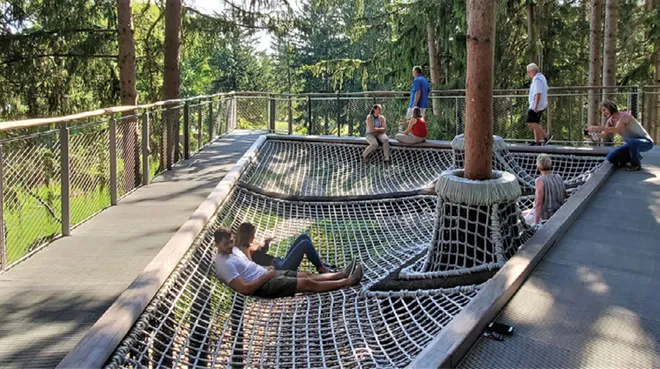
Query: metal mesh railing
[148,142]
[55,177]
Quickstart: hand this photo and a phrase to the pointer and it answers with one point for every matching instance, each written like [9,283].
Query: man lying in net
[248,278]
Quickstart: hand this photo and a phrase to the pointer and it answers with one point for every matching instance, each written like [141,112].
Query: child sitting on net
[550,192]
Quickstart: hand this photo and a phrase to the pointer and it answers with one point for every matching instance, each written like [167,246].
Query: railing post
[457,117]
[65,182]
[146,171]
[290,116]
[113,161]
[634,101]
[234,113]
[200,128]
[271,113]
[550,116]
[186,131]
[3,241]
[309,115]
[338,116]
[211,122]
[228,113]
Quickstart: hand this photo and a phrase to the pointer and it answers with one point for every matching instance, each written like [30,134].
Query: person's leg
[325,276]
[423,111]
[619,156]
[386,145]
[309,285]
[298,239]
[635,147]
[373,145]
[298,251]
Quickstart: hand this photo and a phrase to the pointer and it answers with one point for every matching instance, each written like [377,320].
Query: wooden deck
[48,302]
[593,301]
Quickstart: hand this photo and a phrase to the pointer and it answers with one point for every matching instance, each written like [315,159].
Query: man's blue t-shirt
[422,85]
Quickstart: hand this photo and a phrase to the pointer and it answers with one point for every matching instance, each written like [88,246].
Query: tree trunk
[532,53]
[595,34]
[128,127]
[172,77]
[479,89]
[433,63]
[654,96]
[609,50]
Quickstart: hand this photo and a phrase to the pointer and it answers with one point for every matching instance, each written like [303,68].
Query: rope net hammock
[195,321]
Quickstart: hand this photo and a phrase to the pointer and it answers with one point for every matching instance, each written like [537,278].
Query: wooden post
[146,171]
[479,89]
[113,161]
[338,115]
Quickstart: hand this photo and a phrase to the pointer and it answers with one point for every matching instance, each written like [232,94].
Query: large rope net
[195,321]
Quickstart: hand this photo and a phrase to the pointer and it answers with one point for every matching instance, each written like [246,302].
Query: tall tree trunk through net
[172,79]
[433,63]
[128,127]
[609,53]
[479,89]
[595,35]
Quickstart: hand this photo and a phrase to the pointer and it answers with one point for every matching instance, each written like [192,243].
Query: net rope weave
[195,321]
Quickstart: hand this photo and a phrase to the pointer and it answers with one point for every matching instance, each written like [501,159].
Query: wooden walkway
[48,302]
[593,301]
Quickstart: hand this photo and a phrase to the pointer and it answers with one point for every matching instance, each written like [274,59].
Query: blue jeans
[301,246]
[630,152]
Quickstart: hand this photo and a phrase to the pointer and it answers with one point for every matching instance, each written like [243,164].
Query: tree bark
[433,63]
[532,53]
[172,78]
[595,34]
[128,94]
[479,89]
[609,49]
[654,95]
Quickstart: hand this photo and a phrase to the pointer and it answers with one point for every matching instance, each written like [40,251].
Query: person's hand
[593,129]
[270,267]
[272,274]
[267,241]
[535,110]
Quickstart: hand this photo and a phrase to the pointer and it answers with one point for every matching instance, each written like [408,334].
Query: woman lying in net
[550,192]
[301,246]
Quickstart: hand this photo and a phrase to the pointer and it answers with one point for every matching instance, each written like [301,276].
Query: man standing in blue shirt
[419,94]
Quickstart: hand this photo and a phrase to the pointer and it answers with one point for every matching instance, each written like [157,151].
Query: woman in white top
[637,140]
[376,131]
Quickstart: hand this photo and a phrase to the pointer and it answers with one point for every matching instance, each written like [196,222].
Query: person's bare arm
[537,100]
[538,201]
[411,122]
[239,284]
[370,123]
[620,125]
[417,95]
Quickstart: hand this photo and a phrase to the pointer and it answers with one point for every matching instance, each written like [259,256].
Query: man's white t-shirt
[539,86]
[236,264]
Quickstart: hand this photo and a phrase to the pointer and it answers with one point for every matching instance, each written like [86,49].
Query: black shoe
[535,144]
[546,140]
[348,270]
[634,168]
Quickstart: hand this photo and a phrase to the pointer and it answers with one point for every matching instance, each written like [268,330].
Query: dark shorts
[533,117]
[283,285]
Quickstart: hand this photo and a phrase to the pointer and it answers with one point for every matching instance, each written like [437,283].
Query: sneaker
[534,143]
[633,168]
[546,140]
[350,267]
[357,274]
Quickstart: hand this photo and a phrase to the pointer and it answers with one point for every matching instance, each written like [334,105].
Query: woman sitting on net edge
[376,131]
[301,246]
[416,130]
[550,192]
